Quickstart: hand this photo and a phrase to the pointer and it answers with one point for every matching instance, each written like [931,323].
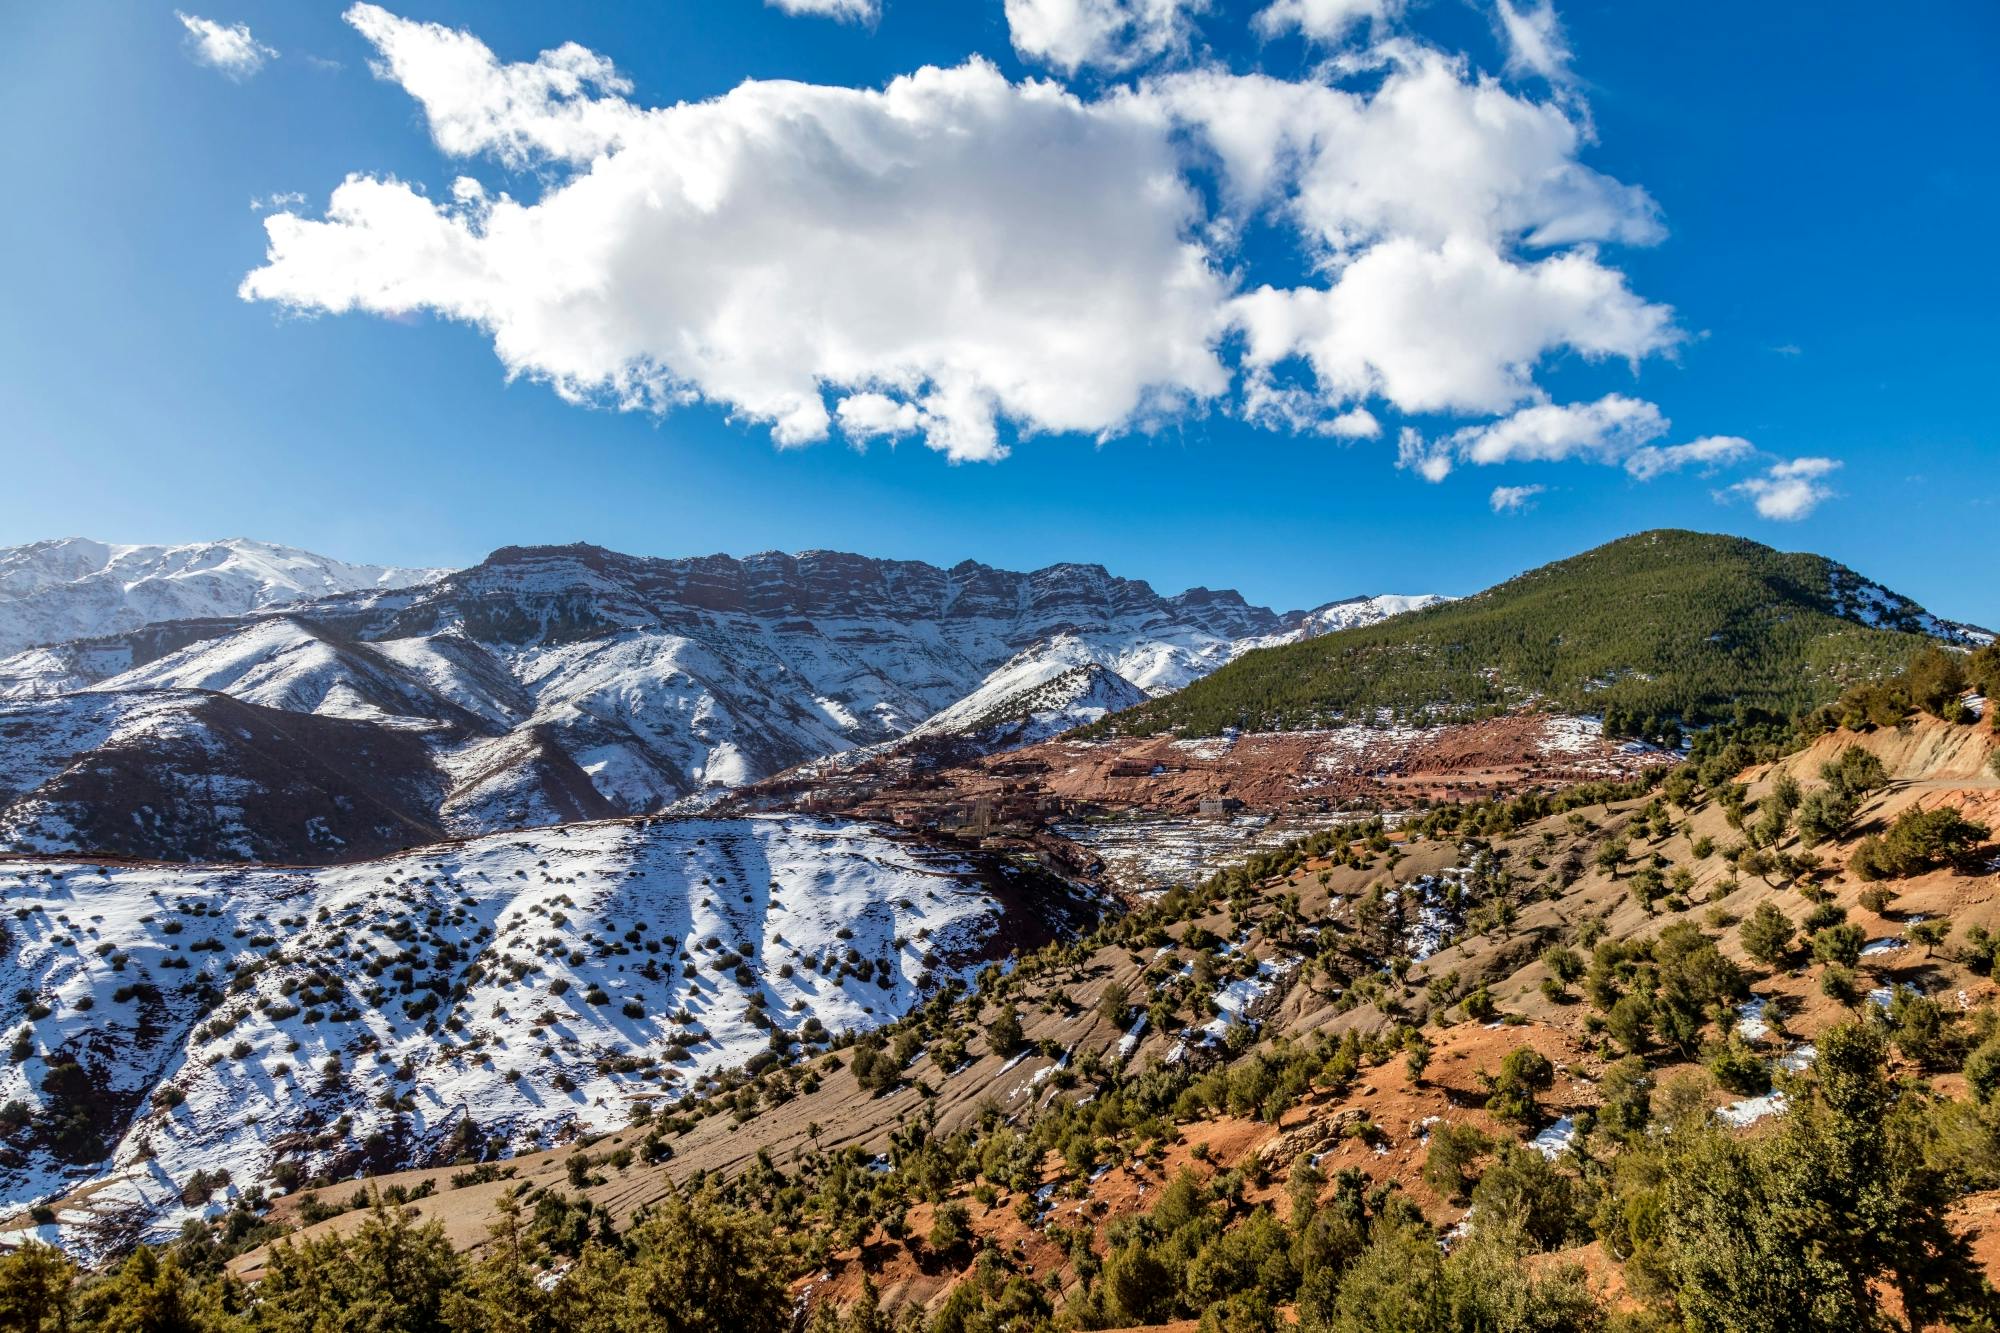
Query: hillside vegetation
[1648,1057]
[1659,626]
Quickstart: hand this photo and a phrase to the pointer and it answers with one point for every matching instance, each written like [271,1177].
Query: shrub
[1524,1187]
[951,1227]
[1824,815]
[1982,1070]
[1919,840]
[1448,1163]
[1523,1073]
[874,1068]
[1003,1034]
[1627,1090]
[1739,1068]
[1921,1031]
[1766,933]
[1854,772]
[1839,944]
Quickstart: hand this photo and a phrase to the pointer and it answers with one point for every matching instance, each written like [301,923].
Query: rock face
[75,588]
[551,683]
[177,775]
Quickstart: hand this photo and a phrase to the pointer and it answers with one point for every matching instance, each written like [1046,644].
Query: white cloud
[1457,328]
[866,416]
[1324,20]
[1709,451]
[1535,41]
[1414,196]
[1291,408]
[278,199]
[963,258]
[228,47]
[845,11]
[1357,424]
[786,239]
[1616,430]
[1109,34]
[1789,490]
[1430,153]
[1514,499]
[1429,459]
[1605,430]
[518,112]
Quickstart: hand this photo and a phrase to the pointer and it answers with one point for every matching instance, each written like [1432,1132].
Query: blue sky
[1818,183]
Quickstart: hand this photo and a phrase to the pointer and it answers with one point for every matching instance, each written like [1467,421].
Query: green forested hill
[1661,625]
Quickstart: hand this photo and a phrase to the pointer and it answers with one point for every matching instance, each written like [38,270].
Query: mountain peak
[1663,624]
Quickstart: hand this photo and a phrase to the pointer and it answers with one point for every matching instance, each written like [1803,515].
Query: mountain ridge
[1660,626]
[553,682]
[69,588]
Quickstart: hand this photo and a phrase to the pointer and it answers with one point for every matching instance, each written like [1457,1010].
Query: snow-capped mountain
[1355,612]
[190,1020]
[75,588]
[565,682]
[1349,613]
[1014,708]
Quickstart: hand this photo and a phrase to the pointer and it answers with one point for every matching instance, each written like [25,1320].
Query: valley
[970,969]
[1325,965]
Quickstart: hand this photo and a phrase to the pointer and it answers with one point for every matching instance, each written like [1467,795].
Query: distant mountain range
[349,717]
[75,588]
[311,712]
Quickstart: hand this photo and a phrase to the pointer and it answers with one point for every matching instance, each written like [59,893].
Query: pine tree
[1796,1231]
[700,1268]
[500,1294]
[390,1274]
[35,1283]
[1003,1034]
[1767,933]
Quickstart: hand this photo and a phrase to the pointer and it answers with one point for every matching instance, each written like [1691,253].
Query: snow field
[354,1016]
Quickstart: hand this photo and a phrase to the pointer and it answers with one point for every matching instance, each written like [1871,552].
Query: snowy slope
[75,588]
[531,982]
[1033,700]
[184,774]
[1355,612]
[1872,604]
[285,664]
[1350,613]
